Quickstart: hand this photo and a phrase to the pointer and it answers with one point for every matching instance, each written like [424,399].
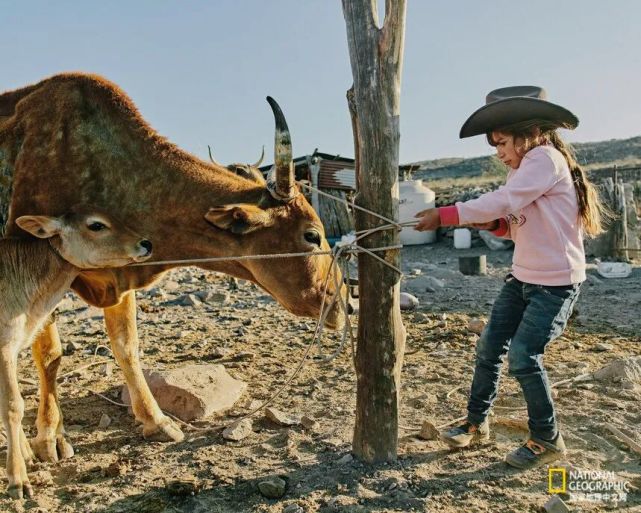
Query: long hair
[592,212]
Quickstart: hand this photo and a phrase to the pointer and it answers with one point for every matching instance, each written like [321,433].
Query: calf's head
[89,239]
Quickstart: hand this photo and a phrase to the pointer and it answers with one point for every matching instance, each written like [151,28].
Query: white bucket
[462,238]
[414,197]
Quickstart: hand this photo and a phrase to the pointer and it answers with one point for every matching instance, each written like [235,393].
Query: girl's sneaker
[536,452]
[466,434]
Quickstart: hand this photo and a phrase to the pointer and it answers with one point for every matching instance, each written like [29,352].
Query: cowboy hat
[510,105]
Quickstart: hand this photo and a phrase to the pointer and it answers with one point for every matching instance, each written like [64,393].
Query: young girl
[545,207]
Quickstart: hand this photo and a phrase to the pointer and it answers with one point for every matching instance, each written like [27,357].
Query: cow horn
[283,171]
[212,158]
[260,160]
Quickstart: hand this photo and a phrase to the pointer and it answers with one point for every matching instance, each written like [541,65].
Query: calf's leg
[12,411]
[50,443]
[121,328]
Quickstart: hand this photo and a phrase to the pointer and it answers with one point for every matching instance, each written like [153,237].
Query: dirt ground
[115,470]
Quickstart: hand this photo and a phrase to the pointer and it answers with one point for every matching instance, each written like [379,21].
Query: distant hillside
[592,155]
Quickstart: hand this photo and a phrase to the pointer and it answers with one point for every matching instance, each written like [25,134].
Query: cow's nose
[146,244]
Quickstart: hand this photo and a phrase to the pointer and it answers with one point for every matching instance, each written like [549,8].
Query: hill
[592,155]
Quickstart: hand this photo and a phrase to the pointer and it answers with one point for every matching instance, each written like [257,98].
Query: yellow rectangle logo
[553,478]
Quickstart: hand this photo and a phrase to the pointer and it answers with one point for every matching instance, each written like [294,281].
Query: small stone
[602,346]
[171,286]
[220,352]
[183,487]
[156,293]
[309,423]
[190,300]
[428,431]
[105,421]
[272,488]
[556,505]
[213,297]
[347,458]
[71,348]
[408,301]
[245,356]
[238,430]
[476,326]
[281,418]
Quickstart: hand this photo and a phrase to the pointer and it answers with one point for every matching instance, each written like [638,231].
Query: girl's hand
[429,220]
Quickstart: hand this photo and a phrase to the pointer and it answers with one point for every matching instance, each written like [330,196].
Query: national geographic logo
[587,485]
[557,480]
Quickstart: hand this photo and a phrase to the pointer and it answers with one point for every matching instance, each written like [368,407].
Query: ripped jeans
[524,319]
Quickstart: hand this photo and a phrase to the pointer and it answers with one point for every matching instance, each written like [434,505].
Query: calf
[34,275]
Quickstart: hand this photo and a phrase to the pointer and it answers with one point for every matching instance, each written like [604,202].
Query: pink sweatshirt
[536,208]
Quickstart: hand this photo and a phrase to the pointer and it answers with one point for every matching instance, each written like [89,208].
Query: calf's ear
[42,227]
[240,218]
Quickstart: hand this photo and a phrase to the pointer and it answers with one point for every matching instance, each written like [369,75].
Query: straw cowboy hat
[510,105]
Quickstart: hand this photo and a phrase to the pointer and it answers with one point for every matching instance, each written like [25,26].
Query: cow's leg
[121,327]
[12,411]
[50,443]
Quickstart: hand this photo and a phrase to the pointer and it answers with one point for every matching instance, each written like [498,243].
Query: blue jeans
[524,319]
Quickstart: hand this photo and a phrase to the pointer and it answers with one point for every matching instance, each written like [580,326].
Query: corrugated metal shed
[335,175]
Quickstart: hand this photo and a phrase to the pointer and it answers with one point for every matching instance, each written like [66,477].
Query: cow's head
[249,171]
[283,221]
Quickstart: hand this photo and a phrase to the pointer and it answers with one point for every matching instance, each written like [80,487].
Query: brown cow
[77,138]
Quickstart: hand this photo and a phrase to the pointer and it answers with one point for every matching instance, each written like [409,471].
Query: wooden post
[376,55]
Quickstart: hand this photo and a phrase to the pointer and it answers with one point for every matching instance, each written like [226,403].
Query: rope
[350,203]
[339,256]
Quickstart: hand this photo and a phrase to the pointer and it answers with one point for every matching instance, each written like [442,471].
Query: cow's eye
[313,237]
[96,226]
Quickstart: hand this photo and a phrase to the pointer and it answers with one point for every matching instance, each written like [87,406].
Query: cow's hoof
[20,490]
[52,450]
[166,431]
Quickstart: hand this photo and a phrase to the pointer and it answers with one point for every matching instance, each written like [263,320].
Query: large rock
[423,284]
[272,487]
[408,301]
[193,391]
[625,369]
[238,430]
[556,505]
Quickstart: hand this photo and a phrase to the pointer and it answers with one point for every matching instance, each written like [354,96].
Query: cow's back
[8,103]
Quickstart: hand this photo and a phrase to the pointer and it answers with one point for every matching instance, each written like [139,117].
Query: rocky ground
[114,470]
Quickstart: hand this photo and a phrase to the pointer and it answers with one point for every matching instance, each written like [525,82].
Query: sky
[199,71]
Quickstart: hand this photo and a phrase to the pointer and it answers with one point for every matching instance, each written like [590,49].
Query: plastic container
[462,238]
[414,197]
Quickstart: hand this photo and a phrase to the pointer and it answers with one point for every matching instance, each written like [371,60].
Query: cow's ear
[42,227]
[239,219]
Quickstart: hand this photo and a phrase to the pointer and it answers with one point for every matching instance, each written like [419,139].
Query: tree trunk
[376,56]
